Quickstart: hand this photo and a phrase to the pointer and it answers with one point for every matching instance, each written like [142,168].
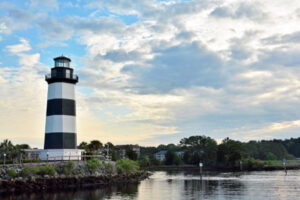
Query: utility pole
[201,165]
[4,156]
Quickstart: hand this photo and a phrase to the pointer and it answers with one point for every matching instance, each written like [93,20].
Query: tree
[83,145]
[200,148]
[187,157]
[270,156]
[114,155]
[144,161]
[6,147]
[230,151]
[177,160]
[110,145]
[169,157]
[153,160]
[94,145]
[132,155]
[22,146]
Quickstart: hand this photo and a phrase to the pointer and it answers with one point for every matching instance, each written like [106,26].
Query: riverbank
[64,175]
[222,169]
[47,183]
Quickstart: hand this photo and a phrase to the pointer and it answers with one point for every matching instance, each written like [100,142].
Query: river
[188,185]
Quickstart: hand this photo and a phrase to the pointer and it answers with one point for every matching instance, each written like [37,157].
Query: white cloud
[18,48]
[29,60]
[3,28]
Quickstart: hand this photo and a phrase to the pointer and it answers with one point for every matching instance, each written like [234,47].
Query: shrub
[29,171]
[12,173]
[107,167]
[144,161]
[270,156]
[93,164]
[251,163]
[46,170]
[68,167]
[126,166]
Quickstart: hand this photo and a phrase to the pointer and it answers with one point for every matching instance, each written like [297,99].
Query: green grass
[279,162]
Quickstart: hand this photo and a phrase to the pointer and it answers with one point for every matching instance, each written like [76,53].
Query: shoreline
[220,169]
[56,183]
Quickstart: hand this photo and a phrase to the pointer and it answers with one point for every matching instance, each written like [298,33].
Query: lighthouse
[60,133]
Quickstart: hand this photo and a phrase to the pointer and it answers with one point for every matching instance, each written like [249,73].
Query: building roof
[62,57]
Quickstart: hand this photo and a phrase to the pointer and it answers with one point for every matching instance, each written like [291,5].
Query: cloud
[23,106]
[52,4]
[277,57]
[14,18]
[243,10]
[54,29]
[291,38]
[18,48]
[95,25]
[19,15]
[179,66]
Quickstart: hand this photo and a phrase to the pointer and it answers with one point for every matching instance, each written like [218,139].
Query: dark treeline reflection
[94,193]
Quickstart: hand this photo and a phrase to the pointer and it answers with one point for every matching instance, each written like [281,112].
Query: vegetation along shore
[229,154]
[64,175]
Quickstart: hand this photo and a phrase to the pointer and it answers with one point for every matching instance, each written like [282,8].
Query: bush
[270,156]
[68,167]
[108,167]
[46,170]
[93,164]
[144,161]
[126,166]
[12,173]
[251,163]
[29,171]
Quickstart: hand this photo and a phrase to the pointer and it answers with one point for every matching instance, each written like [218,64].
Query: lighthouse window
[68,73]
[61,63]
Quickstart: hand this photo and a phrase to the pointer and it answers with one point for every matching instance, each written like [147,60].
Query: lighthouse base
[60,154]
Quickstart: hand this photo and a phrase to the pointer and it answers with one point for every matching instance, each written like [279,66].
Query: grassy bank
[246,165]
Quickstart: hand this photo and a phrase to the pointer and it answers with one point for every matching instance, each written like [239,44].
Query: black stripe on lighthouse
[61,107]
[60,141]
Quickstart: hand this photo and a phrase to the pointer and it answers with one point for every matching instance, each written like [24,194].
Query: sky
[154,71]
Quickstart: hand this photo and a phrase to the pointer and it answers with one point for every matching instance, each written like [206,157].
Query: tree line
[229,153]
[193,149]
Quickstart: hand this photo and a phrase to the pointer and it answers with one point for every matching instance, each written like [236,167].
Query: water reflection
[189,185]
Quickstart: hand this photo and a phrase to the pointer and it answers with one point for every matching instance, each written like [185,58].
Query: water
[188,185]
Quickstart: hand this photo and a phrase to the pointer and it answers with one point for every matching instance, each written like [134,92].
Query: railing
[61,75]
[79,158]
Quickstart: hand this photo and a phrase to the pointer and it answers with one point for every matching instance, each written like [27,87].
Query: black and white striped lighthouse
[60,134]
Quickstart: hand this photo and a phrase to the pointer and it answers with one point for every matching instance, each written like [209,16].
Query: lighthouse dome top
[62,61]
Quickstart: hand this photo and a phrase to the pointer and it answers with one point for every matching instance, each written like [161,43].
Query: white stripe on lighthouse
[60,90]
[60,124]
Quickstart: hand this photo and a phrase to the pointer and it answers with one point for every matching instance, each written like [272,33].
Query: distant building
[161,155]
[121,149]
[180,153]
[31,154]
